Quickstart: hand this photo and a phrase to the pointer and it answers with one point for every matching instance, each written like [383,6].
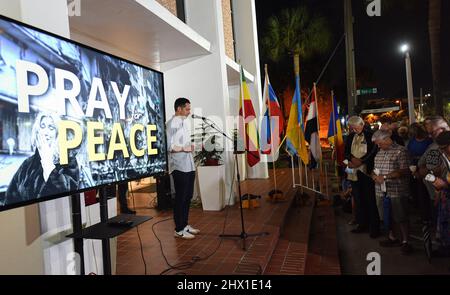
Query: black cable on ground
[137,230]
[188,264]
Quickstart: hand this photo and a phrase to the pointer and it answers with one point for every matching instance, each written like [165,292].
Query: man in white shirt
[181,167]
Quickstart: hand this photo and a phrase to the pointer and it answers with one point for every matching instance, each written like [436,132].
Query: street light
[405,49]
[399,102]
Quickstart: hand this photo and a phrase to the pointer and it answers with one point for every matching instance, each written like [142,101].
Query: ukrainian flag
[295,142]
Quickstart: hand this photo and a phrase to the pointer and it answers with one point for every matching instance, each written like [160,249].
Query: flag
[335,132]
[270,130]
[312,131]
[295,142]
[247,111]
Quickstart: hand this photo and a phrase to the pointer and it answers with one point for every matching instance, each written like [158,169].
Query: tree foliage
[295,31]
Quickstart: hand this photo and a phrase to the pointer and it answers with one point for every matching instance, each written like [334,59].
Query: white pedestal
[211,181]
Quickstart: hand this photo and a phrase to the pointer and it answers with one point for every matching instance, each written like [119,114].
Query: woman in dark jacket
[442,186]
[41,174]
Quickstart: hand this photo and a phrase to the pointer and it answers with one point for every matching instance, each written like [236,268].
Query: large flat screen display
[73,118]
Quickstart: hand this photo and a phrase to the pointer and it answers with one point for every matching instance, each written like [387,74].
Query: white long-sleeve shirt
[179,134]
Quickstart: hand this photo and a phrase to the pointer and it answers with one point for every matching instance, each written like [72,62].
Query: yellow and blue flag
[295,142]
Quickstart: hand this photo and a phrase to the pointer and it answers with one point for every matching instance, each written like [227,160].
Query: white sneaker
[183,234]
[191,230]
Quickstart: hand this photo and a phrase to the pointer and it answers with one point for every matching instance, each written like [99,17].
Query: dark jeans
[363,191]
[184,189]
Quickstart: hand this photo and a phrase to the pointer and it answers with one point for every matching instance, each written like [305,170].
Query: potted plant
[210,169]
[210,153]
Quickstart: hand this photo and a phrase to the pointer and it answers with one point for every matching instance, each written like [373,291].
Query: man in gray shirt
[181,167]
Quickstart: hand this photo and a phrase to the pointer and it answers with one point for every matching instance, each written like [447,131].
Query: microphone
[198,117]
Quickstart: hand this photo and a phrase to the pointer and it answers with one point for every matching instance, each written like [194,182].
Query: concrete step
[259,251]
[308,242]
[289,255]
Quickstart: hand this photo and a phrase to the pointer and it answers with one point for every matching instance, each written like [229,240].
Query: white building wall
[21,245]
[203,80]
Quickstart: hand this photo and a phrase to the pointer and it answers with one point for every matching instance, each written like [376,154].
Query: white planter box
[211,181]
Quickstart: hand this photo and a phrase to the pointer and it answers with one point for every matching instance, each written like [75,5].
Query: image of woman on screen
[41,174]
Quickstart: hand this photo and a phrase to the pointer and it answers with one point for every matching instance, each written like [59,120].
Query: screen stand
[104,230]
[106,248]
[77,227]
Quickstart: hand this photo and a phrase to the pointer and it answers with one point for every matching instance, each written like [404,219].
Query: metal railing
[318,184]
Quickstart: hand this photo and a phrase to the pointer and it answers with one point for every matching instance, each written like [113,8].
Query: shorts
[399,209]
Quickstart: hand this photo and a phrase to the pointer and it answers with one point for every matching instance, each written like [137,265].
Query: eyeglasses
[354,128]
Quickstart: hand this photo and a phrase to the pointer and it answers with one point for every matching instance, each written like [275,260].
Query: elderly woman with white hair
[41,174]
[391,175]
[360,152]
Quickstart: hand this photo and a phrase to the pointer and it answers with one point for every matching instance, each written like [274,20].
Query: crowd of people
[393,168]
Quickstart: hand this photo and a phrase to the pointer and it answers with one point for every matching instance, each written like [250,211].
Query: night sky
[379,63]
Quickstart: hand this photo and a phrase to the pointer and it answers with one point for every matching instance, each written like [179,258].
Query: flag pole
[293,175]
[334,118]
[335,137]
[242,119]
[266,86]
[270,125]
[334,129]
[318,135]
[300,166]
[306,176]
[299,102]
[241,101]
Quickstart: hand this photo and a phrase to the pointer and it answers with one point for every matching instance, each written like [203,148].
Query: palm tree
[294,32]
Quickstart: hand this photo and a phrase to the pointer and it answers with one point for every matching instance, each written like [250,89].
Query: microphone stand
[243,235]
